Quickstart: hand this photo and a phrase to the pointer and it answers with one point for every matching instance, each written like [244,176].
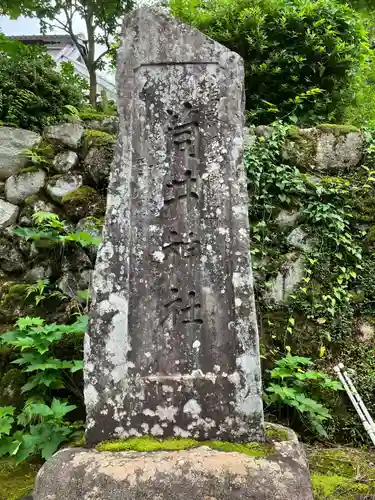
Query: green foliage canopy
[300,56]
[33,93]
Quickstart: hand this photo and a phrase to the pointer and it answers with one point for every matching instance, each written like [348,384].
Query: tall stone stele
[172,348]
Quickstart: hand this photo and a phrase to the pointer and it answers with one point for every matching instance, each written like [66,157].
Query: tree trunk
[93,87]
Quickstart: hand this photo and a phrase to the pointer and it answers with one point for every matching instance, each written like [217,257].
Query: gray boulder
[18,187]
[38,273]
[66,134]
[65,161]
[8,214]
[298,238]
[97,165]
[61,185]
[68,285]
[287,279]
[75,260]
[13,143]
[196,474]
[287,218]
[11,259]
[94,228]
[109,125]
[32,205]
[326,148]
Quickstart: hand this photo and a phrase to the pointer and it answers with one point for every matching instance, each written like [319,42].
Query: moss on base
[80,194]
[93,115]
[147,444]
[274,433]
[16,481]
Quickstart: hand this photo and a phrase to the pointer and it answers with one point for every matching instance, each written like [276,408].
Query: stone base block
[195,474]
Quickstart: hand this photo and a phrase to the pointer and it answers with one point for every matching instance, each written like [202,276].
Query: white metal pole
[357,396]
[361,415]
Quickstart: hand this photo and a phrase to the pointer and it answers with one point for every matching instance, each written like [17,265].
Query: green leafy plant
[33,92]
[49,227]
[301,58]
[38,430]
[41,291]
[296,382]
[35,339]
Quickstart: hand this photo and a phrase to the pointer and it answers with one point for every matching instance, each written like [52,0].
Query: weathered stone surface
[109,125]
[75,259]
[38,273]
[97,164]
[173,342]
[298,238]
[66,134]
[196,474]
[324,149]
[8,214]
[366,330]
[82,202]
[11,259]
[18,187]
[286,280]
[65,161]
[287,217]
[60,185]
[32,205]
[263,131]
[68,285]
[13,143]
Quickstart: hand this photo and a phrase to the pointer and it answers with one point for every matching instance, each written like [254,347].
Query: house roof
[55,39]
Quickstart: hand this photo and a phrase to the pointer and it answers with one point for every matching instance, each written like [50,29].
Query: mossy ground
[16,481]
[341,473]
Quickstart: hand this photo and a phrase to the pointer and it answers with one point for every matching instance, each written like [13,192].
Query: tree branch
[69,29]
[99,58]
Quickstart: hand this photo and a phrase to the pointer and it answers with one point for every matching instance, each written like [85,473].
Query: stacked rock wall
[65,171]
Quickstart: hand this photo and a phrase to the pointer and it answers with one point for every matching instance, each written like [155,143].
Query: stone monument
[173,343]
[172,349]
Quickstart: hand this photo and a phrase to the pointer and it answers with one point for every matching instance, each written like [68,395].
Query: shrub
[33,92]
[300,57]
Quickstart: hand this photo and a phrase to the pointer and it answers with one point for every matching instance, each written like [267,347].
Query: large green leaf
[60,409]
[6,424]
[48,379]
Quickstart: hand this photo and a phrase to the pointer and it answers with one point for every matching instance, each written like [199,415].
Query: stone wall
[64,170]
[312,211]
